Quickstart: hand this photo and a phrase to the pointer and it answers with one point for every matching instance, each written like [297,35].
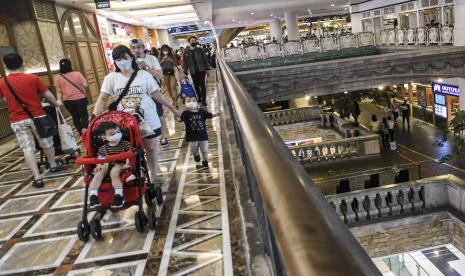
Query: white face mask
[124,64]
[165,53]
[115,138]
[192,105]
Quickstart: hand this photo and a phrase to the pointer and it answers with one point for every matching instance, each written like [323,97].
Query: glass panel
[52,42]
[77,25]
[28,45]
[4,38]
[66,30]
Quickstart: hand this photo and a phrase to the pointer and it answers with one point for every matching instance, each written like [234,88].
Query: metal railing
[292,116]
[302,234]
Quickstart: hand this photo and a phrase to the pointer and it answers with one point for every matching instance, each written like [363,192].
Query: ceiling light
[440,80]
[162,11]
[271,15]
[380,88]
[234,20]
[252,13]
[332,4]
[307,97]
[346,92]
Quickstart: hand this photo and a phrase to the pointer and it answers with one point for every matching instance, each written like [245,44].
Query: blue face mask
[124,64]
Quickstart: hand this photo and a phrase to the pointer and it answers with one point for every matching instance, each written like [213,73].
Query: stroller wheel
[140,221]
[83,231]
[152,217]
[96,229]
[159,195]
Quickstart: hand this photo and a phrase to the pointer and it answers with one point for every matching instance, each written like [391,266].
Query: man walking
[196,63]
[29,89]
[405,107]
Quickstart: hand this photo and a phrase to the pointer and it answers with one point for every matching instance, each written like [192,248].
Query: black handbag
[45,125]
[168,71]
[114,105]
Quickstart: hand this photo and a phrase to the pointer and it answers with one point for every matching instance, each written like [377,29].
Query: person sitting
[112,134]
[196,130]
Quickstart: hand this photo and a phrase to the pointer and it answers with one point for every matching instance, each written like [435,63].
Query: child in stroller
[134,179]
[115,145]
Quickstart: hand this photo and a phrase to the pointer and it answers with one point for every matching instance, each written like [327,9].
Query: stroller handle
[107,159]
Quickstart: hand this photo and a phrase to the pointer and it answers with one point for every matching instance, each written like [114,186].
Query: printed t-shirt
[138,99]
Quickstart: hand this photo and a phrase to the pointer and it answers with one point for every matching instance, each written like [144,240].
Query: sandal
[38,183]
[57,168]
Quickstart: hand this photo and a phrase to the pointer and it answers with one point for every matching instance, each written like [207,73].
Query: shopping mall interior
[218,137]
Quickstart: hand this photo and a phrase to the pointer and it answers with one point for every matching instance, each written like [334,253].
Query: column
[292,27]
[459,25]
[163,37]
[275,29]
[410,97]
[356,22]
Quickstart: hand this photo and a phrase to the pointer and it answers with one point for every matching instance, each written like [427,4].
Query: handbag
[68,143]
[114,105]
[73,84]
[168,71]
[45,125]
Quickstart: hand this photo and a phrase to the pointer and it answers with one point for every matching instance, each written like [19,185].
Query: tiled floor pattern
[198,237]
[38,226]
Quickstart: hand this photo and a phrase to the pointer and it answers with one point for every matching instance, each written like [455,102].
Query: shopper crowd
[145,83]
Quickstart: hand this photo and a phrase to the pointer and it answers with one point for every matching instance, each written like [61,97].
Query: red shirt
[28,88]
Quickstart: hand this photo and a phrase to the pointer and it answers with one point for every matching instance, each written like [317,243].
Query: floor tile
[24,205]
[9,227]
[200,203]
[116,243]
[6,189]
[166,167]
[70,198]
[129,268]
[16,177]
[168,155]
[186,264]
[33,251]
[66,170]
[51,184]
[56,222]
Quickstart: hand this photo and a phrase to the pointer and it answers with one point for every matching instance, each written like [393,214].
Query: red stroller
[136,181]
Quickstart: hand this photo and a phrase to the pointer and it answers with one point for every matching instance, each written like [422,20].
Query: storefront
[446,100]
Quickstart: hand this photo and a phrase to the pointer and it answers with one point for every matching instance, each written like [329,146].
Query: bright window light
[163,11]
[172,17]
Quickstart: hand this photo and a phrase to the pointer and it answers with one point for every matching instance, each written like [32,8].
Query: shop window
[77,24]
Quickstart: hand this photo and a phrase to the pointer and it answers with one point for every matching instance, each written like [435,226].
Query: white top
[151,61]
[139,95]
[390,124]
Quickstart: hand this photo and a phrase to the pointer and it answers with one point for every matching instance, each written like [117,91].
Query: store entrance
[82,48]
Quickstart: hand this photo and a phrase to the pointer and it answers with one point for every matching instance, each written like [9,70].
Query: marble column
[459,25]
[163,37]
[275,29]
[292,28]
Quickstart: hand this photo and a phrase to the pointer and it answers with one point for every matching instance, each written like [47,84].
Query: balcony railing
[302,234]
[418,36]
[400,199]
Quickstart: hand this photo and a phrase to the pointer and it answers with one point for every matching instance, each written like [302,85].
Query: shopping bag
[68,142]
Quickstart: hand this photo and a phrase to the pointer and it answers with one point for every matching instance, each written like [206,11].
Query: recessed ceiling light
[271,15]
[252,13]
[234,20]
[332,4]
[345,92]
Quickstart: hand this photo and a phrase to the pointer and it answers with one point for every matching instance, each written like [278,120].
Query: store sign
[447,89]
[183,29]
[440,110]
[102,4]
[439,99]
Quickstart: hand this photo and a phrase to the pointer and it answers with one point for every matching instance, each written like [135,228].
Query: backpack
[187,90]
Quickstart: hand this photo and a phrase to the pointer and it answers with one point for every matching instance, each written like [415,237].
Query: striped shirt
[106,149]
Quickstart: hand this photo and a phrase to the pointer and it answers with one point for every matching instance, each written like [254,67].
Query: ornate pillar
[356,22]
[163,37]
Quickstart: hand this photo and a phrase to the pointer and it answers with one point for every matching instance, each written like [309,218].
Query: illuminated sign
[102,4]
[440,110]
[439,99]
[447,89]
[183,29]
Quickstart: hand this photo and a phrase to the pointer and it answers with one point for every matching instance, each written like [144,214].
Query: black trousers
[406,118]
[78,111]
[199,85]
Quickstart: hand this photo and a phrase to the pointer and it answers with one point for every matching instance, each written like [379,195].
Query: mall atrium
[232,137]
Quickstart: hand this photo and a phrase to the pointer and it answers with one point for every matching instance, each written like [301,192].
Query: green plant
[458,122]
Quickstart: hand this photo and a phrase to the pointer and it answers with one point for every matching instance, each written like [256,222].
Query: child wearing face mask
[195,119]
[112,134]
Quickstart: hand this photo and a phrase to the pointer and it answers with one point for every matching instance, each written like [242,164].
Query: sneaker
[197,157]
[94,201]
[118,201]
[164,142]
[205,164]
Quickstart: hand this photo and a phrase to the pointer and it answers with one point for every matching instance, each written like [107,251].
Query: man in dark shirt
[405,107]
[196,63]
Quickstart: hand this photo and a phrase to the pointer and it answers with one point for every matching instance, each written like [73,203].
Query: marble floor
[38,226]
[306,130]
